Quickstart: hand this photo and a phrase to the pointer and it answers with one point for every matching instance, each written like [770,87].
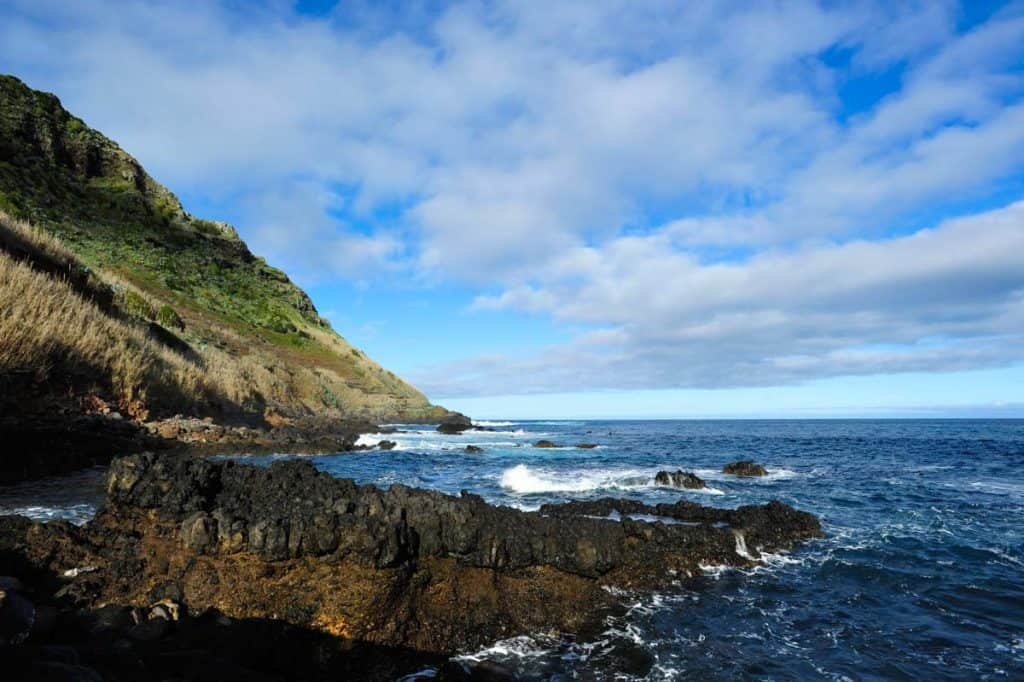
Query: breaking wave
[526,480]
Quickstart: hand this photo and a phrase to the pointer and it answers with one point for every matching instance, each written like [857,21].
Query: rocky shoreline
[65,440]
[374,582]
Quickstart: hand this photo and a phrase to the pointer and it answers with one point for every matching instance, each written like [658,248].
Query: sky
[626,208]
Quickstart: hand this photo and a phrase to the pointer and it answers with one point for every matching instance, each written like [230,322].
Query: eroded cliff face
[399,568]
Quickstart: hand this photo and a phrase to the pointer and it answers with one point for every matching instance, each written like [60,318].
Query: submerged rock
[679,479]
[546,444]
[387,445]
[586,446]
[745,467]
[474,449]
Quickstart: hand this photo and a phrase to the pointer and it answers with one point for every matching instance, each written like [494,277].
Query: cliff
[116,301]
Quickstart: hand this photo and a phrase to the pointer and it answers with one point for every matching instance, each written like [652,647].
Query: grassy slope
[196,278]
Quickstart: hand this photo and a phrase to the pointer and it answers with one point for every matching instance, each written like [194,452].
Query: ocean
[920,575]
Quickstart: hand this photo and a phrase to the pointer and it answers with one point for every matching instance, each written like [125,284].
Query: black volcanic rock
[766,526]
[679,479]
[195,542]
[387,445]
[455,424]
[224,507]
[746,468]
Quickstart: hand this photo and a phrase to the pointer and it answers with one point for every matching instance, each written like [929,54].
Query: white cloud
[944,299]
[532,146]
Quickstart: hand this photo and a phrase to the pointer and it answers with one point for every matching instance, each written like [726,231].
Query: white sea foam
[77,514]
[766,561]
[706,490]
[715,571]
[774,474]
[741,546]
[524,433]
[523,646]
[370,440]
[994,487]
[774,559]
[779,474]
[491,424]
[523,479]
[1006,556]
[431,440]
[527,480]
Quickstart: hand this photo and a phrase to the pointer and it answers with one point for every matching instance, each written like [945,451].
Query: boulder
[474,449]
[745,467]
[546,444]
[679,479]
[387,445]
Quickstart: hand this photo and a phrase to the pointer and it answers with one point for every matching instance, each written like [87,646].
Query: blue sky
[608,209]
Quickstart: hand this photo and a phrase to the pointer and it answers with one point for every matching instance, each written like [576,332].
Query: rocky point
[350,568]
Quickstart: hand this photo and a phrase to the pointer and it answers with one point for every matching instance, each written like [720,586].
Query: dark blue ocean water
[921,575]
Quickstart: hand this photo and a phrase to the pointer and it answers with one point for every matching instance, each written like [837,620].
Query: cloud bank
[720,193]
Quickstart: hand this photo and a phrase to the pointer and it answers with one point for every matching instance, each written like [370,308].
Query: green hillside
[191,285]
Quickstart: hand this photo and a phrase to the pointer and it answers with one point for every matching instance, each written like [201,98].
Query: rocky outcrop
[63,440]
[454,424]
[586,446]
[546,444]
[679,479]
[745,467]
[473,449]
[387,445]
[397,569]
[280,435]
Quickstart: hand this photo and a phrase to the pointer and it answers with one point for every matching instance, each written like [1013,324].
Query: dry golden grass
[46,329]
[49,330]
[42,243]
